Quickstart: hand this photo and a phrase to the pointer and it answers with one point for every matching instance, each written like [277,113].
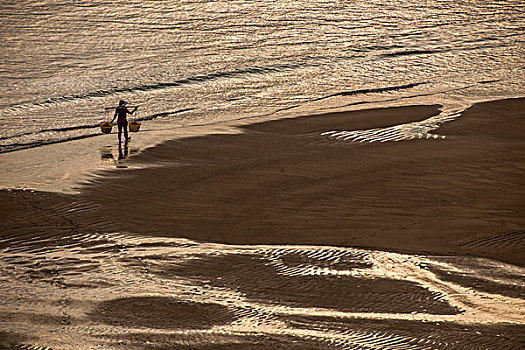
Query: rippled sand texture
[439,223]
[124,292]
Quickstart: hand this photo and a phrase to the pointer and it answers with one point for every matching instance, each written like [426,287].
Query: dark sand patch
[10,340]
[368,119]
[260,281]
[222,342]
[399,334]
[36,319]
[161,313]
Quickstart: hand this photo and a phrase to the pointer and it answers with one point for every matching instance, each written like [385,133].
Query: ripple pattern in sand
[402,132]
[511,240]
[122,291]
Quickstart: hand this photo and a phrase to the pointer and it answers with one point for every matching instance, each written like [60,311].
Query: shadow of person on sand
[122,153]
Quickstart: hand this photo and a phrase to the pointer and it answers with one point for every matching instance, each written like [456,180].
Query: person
[122,122]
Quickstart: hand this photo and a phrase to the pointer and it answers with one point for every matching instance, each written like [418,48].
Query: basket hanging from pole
[134,126]
[106,127]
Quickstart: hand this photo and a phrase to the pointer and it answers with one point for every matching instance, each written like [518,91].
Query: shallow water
[65,65]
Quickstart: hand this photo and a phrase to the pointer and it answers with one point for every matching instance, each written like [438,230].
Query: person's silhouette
[122,122]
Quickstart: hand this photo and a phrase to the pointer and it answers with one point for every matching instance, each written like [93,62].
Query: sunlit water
[64,65]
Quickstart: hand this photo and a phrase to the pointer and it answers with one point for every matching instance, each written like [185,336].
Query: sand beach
[307,175]
[286,234]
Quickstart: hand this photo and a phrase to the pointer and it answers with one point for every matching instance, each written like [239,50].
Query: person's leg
[119,132]
[125,126]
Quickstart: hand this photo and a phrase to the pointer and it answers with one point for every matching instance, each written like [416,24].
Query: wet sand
[281,182]
[281,237]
